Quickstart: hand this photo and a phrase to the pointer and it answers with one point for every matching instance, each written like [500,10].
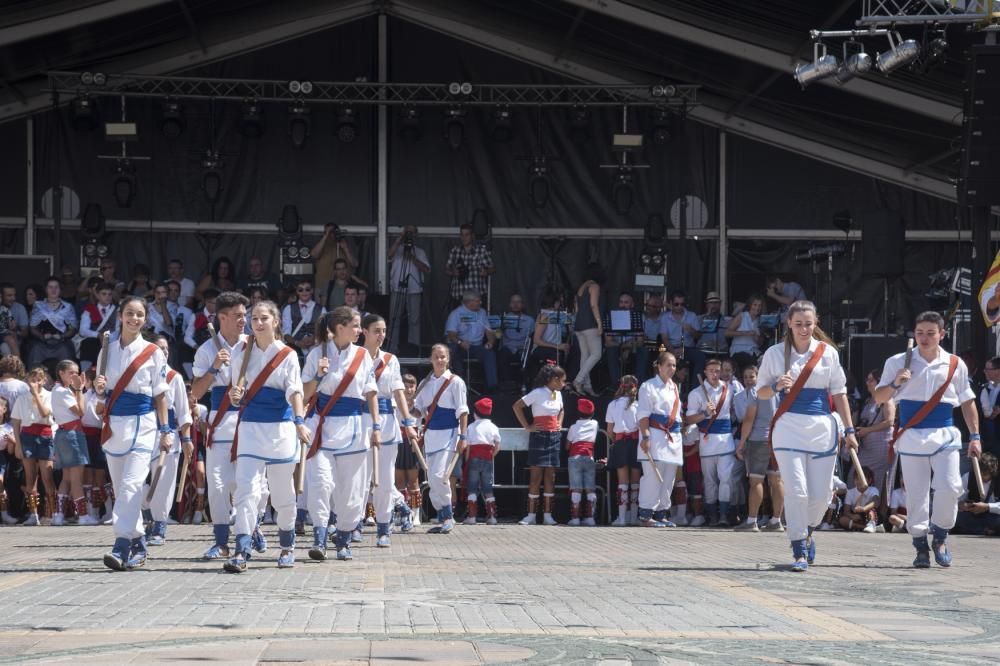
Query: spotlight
[854,63]
[84,115]
[538,182]
[92,224]
[662,90]
[100,79]
[347,125]
[290,224]
[300,87]
[660,132]
[103,251]
[409,119]
[124,184]
[93,79]
[466,88]
[454,127]
[502,130]
[898,55]
[292,252]
[211,178]
[934,53]
[622,191]
[655,231]
[304,252]
[579,124]
[298,125]
[87,79]
[456,88]
[172,122]
[251,120]
[823,66]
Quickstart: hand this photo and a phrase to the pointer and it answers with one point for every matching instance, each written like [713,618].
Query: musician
[516,327]
[713,325]
[269,426]
[213,372]
[619,346]
[805,435]
[681,330]
[659,413]
[710,407]
[552,333]
[97,318]
[982,516]
[298,319]
[441,400]
[53,324]
[989,402]
[196,332]
[341,375]
[928,443]
[468,330]
[133,387]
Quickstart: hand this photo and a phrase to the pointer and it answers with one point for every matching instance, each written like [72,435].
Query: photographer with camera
[332,246]
[407,264]
[469,265]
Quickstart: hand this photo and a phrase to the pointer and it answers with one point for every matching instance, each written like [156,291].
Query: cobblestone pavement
[503,594]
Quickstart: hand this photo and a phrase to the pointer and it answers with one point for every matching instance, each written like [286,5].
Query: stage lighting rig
[93,248]
[84,115]
[823,66]
[298,125]
[172,121]
[502,131]
[457,88]
[538,181]
[579,124]
[454,126]
[652,275]
[622,184]
[124,189]
[410,127]
[347,125]
[211,176]
[300,87]
[660,131]
[251,123]
[856,61]
[901,53]
[294,258]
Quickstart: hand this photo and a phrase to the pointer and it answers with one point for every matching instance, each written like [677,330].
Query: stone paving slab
[504,594]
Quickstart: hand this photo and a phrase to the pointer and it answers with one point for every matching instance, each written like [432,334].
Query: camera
[338,235]
[462,270]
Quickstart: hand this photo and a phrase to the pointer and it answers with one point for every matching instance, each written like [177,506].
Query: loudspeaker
[979,174]
[868,351]
[883,235]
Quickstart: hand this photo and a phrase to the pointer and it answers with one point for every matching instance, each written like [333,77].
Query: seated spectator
[981,516]
[95,320]
[258,278]
[897,507]
[784,293]
[552,334]
[8,333]
[256,295]
[68,283]
[298,319]
[833,508]
[860,512]
[469,335]
[516,328]
[175,272]
[744,331]
[196,332]
[342,277]
[32,294]
[621,348]
[221,278]
[989,404]
[352,299]
[162,311]
[182,317]
[18,313]
[107,274]
[680,330]
[140,284]
[713,325]
[53,324]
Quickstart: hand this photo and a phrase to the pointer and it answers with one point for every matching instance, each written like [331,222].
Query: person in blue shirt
[680,330]
[469,334]
[515,328]
[53,324]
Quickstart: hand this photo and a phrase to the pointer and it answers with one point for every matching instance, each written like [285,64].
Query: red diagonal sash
[718,408]
[258,383]
[793,392]
[123,381]
[673,414]
[385,364]
[345,381]
[927,408]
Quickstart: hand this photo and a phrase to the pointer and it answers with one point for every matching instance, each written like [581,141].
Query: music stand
[622,323]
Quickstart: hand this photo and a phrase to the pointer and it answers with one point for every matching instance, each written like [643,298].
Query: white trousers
[947,486]
[590,354]
[808,488]
[166,487]
[654,495]
[437,480]
[128,473]
[251,477]
[340,481]
[384,496]
[718,474]
[220,478]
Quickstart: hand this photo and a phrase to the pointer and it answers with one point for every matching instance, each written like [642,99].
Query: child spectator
[580,447]
[897,507]
[6,454]
[860,506]
[693,484]
[623,432]
[979,515]
[484,444]
[407,465]
[32,424]
[830,517]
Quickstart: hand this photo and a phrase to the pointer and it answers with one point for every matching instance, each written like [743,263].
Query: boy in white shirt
[580,449]
[484,444]
[860,506]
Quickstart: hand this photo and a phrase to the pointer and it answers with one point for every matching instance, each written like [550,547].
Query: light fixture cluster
[856,60]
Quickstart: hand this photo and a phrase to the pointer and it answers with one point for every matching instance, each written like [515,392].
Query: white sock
[751,520]
[775,520]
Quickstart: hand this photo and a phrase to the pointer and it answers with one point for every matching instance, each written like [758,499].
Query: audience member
[53,324]
[469,264]
[331,246]
[681,330]
[258,277]
[713,325]
[196,332]
[221,278]
[185,285]
[875,423]
[744,330]
[784,293]
[342,277]
[140,284]
[980,515]
[989,404]
[589,327]
[70,285]
[18,313]
[469,335]
[298,319]
[95,320]
[407,266]
[516,329]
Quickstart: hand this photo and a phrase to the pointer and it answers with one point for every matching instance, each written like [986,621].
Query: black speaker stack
[979,178]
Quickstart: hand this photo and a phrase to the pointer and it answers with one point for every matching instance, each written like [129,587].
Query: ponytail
[805,306]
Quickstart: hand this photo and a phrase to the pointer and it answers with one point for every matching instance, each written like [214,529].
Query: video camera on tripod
[817,252]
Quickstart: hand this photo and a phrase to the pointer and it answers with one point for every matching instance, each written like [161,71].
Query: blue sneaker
[923,558]
[811,551]
[447,526]
[136,561]
[941,553]
[257,541]
[356,536]
[286,560]
[155,540]
[216,552]
[116,559]
[799,566]
[406,524]
[383,541]
[236,564]
[668,523]
[344,554]
[318,552]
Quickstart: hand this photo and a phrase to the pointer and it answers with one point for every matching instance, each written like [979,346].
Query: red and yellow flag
[990,291]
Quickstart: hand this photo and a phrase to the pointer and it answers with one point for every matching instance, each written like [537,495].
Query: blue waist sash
[443,418]
[217,393]
[132,404]
[343,407]
[720,427]
[940,416]
[663,419]
[384,406]
[813,402]
[268,406]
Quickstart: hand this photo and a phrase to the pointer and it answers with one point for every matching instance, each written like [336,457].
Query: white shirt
[27,412]
[453,397]
[542,402]
[90,328]
[63,402]
[927,378]
[149,380]
[483,431]
[854,498]
[306,310]
[340,362]
[622,415]
[401,268]
[90,418]
[584,430]
[270,441]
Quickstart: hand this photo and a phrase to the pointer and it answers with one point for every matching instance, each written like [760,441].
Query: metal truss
[368,93]
[918,12]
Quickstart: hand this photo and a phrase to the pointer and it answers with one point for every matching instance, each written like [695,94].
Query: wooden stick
[300,471]
[978,474]
[157,473]
[375,462]
[451,465]
[656,470]
[908,359]
[420,456]
[217,339]
[183,481]
[858,472]
[105,338]
[247,351]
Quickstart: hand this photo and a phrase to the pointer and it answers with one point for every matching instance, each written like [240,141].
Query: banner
[989,294]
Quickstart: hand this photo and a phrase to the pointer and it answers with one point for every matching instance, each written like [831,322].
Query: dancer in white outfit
[660,442]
